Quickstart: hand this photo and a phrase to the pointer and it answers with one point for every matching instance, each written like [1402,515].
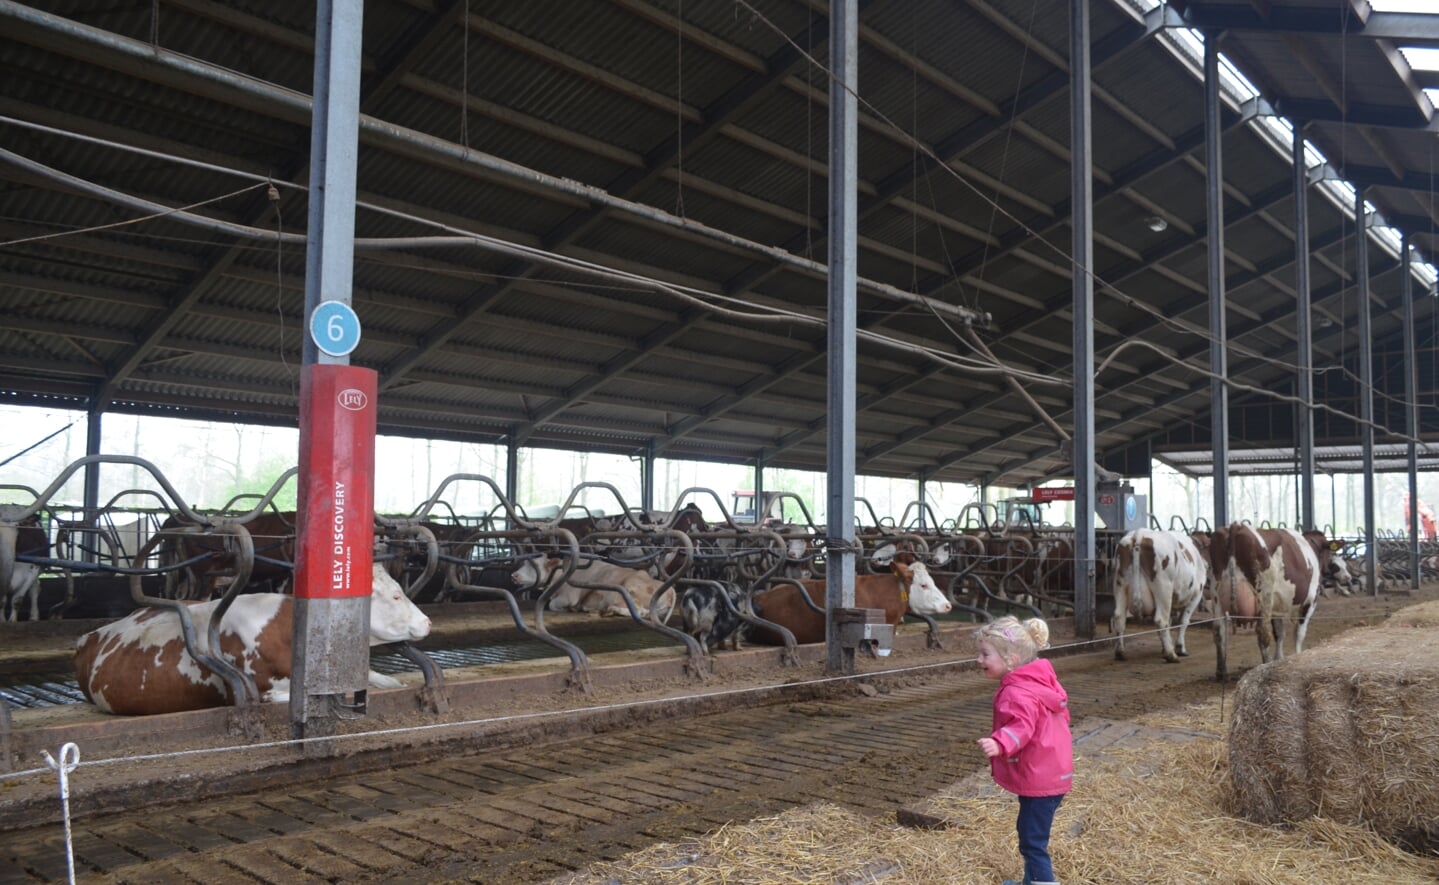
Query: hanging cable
[680,109]
[994,209]
[273,194]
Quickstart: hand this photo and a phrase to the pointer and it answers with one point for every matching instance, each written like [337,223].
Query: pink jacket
[1031,724]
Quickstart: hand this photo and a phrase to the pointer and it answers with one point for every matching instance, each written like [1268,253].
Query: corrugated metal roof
[482,342]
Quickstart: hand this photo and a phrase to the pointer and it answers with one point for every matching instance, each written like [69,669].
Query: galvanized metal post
[647,478]
[1366,383]
[94,419]
[1082,214]
[758,486]
[331,639]
[1305,343]
[843,271]
[512,470]
[1411,408]
[1214,210]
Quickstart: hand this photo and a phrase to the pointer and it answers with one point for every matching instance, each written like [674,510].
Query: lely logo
[352,399]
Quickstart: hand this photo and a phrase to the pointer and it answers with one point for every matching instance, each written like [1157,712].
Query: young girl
[1030,750]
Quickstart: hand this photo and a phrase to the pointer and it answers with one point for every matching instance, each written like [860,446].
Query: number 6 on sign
[335,328]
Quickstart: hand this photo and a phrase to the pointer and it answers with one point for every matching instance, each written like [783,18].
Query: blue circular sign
[335,328]
[1131,508]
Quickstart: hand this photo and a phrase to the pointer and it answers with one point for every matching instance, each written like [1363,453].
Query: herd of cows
[720,585]
[1260,577]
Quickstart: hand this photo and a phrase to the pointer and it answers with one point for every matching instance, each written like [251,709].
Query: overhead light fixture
[1156,223]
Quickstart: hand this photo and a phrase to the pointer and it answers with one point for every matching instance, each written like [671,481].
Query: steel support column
[647,479]
[1082,225]
[843,220]
[1411,409]
[1218,356]
[331,634]
[758,487]
[1366,380]
[94,421]
[1305,343]
[512,470]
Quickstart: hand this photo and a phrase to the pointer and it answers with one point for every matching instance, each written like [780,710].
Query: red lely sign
[337,515]
[1057,493]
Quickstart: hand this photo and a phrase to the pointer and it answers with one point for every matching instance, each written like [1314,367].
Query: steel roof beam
[950,149]
[1058,303]
[1356,114]
[1239,281]
[154,335]
[975,135]
[1374,176]
[196,77]
[1200,386]
[1128,177]
[1355,20]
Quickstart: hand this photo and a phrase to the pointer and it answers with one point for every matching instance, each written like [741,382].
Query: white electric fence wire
[70,753]
[1068,648]
[69,761]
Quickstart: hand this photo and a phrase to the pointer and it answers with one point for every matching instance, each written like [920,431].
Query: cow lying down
[593,575]
[138,665]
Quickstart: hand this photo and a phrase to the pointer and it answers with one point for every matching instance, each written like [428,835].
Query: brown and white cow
[139,665]
[907,588]
[273,537]
[26,538]
[1157,572]
[1355,568]
[1285,567]
[584,590]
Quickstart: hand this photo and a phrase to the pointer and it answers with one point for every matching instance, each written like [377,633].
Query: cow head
[1338,569]
[393,617]
[533,572]
[925,597]
[1331,570]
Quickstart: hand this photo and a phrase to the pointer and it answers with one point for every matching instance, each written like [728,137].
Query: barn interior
[604,227]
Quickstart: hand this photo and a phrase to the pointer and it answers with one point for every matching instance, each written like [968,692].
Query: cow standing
[139,665]
[1157,572]
[29,539]
[1285,567]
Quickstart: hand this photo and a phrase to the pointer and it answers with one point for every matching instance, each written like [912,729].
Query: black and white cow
[710,612]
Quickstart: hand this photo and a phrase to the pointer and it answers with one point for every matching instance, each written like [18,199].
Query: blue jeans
[1036,816]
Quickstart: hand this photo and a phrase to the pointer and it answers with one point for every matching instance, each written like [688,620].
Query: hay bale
[1346,732]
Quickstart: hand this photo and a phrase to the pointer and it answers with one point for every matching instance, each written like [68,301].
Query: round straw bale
[1346,732]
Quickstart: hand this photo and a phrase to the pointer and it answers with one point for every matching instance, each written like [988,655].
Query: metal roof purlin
[1124,178]
[1404,28]
[971,137]
[1200,386]
[190,294]
[1199,349]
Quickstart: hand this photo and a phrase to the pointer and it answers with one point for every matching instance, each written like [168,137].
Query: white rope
[1071,648]
[69,761]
